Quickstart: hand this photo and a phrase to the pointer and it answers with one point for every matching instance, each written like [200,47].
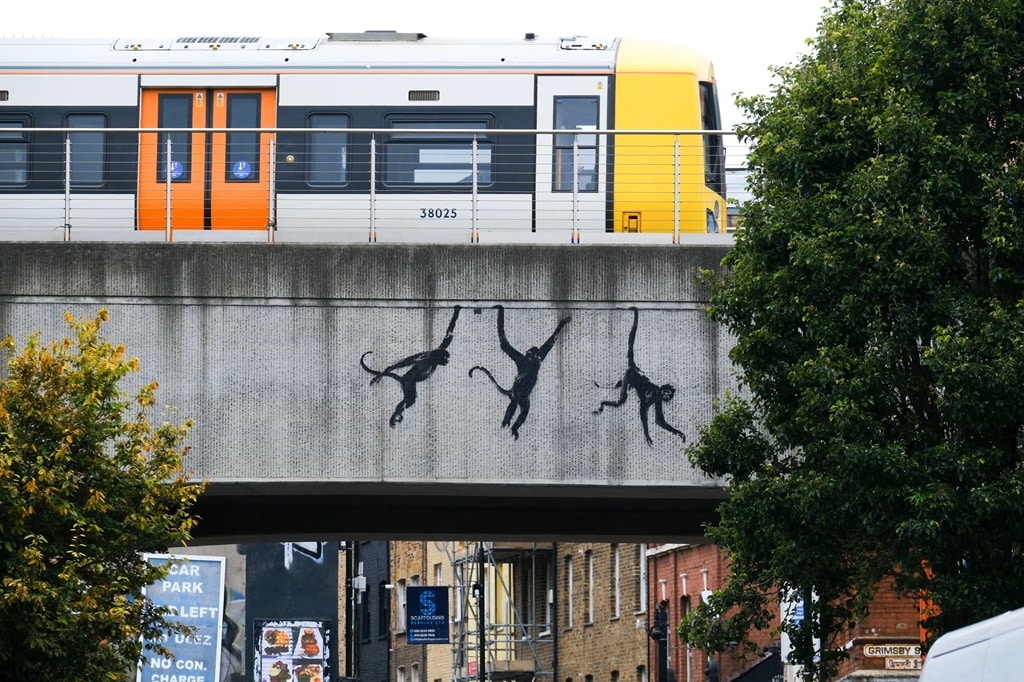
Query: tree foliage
[87,484]
[876,292]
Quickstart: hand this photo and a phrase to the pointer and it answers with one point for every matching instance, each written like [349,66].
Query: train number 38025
[438,213]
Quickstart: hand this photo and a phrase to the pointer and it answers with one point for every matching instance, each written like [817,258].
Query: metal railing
[360,184]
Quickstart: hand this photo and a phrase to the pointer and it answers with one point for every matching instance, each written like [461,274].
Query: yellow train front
[347,137]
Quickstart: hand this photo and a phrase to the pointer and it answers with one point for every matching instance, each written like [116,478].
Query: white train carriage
[353,137]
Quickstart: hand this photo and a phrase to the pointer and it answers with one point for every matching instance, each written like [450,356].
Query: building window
[547,594]
[616,591]
[641,674]
[328,151]
[575,113]
[569,605]
[460,592]
[414,673]
[684,606]
[400,677]
[400,593]
[87,150]
[588,616]
[427,155]
[641,592]
[438,575]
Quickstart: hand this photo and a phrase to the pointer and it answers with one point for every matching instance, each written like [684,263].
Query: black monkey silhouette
[421,366]
[527,367]
[647,392]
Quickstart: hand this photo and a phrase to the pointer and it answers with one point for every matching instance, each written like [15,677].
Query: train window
[175,111]
[714,151]
[422,156]
[243,148]
[328,150]
[87,167]
[575,113]
[13,153]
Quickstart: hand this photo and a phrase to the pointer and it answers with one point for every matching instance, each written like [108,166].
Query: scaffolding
[503,626]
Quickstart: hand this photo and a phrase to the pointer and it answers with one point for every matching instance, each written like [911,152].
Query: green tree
[87,485]
[876,293]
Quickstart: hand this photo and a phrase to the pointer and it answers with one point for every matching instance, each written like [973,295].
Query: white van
[989,651]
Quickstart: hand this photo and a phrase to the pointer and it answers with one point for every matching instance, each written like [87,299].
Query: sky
[743,37]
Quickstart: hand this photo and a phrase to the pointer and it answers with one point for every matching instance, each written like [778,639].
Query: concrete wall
[261,345]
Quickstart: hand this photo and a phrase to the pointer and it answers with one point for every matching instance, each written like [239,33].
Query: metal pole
[373,189]
[481,624]
[167,210]
[575,188]
[67,188]
[474,235]
[661,619]
[675,207]
[272,204]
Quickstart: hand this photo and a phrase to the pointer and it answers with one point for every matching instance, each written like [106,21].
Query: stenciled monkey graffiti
[647,392]
[527,369]
[421,366]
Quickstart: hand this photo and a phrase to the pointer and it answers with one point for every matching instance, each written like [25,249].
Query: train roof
[366,51]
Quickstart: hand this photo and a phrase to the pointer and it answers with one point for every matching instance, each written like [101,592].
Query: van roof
[978,632]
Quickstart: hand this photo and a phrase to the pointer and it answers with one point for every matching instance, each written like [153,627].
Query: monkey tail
[618,384]
[377,375]
[505,392]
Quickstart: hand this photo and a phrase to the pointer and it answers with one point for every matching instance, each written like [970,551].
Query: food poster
[293,651]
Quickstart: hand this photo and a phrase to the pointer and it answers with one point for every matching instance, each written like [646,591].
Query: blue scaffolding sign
[426,615]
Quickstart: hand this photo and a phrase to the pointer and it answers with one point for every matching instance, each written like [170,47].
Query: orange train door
[219,181]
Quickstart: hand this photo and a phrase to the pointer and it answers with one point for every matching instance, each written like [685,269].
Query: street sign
[193,589]
[892,650]
[902,663]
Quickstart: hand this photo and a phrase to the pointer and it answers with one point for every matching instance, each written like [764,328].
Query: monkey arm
[659,418]
[546,348]
[450,332]
[506,347]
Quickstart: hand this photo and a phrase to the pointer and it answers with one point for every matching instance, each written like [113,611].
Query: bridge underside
[233,513]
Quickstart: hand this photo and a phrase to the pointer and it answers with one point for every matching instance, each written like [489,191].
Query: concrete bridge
[360,391]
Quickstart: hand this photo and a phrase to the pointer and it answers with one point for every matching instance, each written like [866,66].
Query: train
[377,135]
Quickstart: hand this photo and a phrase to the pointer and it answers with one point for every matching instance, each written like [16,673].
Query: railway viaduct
[281,355]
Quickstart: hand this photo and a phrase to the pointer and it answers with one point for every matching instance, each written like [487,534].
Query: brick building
[581,612]
[883,647]
[408,568]
[679,575]
[602,613]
